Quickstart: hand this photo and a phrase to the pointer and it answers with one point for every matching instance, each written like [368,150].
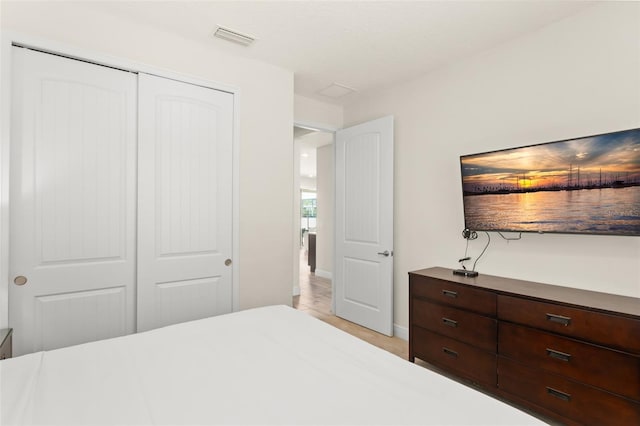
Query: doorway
[359,255]
[313,204]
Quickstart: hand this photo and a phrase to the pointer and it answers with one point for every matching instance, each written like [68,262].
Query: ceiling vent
[336,90]
[234,36]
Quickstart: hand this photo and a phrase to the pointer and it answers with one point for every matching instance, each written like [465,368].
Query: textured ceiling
[360,44]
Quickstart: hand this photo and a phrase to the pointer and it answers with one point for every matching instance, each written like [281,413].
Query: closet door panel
[185,202]
[72,225]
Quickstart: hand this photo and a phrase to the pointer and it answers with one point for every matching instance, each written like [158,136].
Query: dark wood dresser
[6,343]
[571,355]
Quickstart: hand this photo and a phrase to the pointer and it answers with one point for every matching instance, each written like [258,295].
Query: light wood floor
[315,299]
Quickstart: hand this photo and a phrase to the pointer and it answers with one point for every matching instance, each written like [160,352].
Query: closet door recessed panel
[186,176]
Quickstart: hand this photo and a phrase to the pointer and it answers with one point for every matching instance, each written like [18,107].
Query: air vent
[234,36]
[336,90]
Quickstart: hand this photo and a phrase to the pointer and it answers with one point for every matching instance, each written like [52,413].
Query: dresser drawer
[458,295]
[569,399]
[614,331]
[607,369]
[465,360]
[466,326]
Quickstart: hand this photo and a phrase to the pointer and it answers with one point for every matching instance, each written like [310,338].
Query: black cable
[483,250]
[467,234]
[465,258]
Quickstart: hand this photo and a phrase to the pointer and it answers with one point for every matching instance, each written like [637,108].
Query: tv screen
[588,185]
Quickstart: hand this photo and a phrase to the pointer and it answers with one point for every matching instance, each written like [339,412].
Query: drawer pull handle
[559,319]
[449,293]
[558,355]
[560,395]
[450,352]
[449,322]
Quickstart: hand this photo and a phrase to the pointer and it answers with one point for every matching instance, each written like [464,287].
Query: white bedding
[272,365]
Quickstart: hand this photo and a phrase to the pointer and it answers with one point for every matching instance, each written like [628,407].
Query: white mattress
[264,366]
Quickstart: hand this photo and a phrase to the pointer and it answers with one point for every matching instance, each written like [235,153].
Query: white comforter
[270,365]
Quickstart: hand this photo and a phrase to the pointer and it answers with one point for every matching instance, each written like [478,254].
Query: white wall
[325,196]
[265,117]
[308,183]
[579,76]
[321,114]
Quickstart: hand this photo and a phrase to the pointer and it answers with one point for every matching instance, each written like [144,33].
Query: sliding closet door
[72,219]
[185,202]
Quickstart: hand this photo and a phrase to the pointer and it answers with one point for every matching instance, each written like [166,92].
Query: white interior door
[72,218]
[364,225]
[185,202]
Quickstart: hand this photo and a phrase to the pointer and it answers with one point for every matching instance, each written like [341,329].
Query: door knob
[385,253]
[20,280]
[227,262]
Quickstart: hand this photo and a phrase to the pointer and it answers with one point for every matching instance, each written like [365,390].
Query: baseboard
[323,274]
[296,291]
[401,332]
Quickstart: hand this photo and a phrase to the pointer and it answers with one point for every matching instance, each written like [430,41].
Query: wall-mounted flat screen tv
[587,185]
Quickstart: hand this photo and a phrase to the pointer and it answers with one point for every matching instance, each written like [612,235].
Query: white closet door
[72,219]
[185,202]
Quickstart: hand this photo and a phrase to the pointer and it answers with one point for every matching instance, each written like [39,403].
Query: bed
[263,366]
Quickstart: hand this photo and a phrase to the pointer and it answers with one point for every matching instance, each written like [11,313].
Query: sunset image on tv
[585,185]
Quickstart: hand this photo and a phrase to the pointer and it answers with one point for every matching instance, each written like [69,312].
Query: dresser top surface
[567,295]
